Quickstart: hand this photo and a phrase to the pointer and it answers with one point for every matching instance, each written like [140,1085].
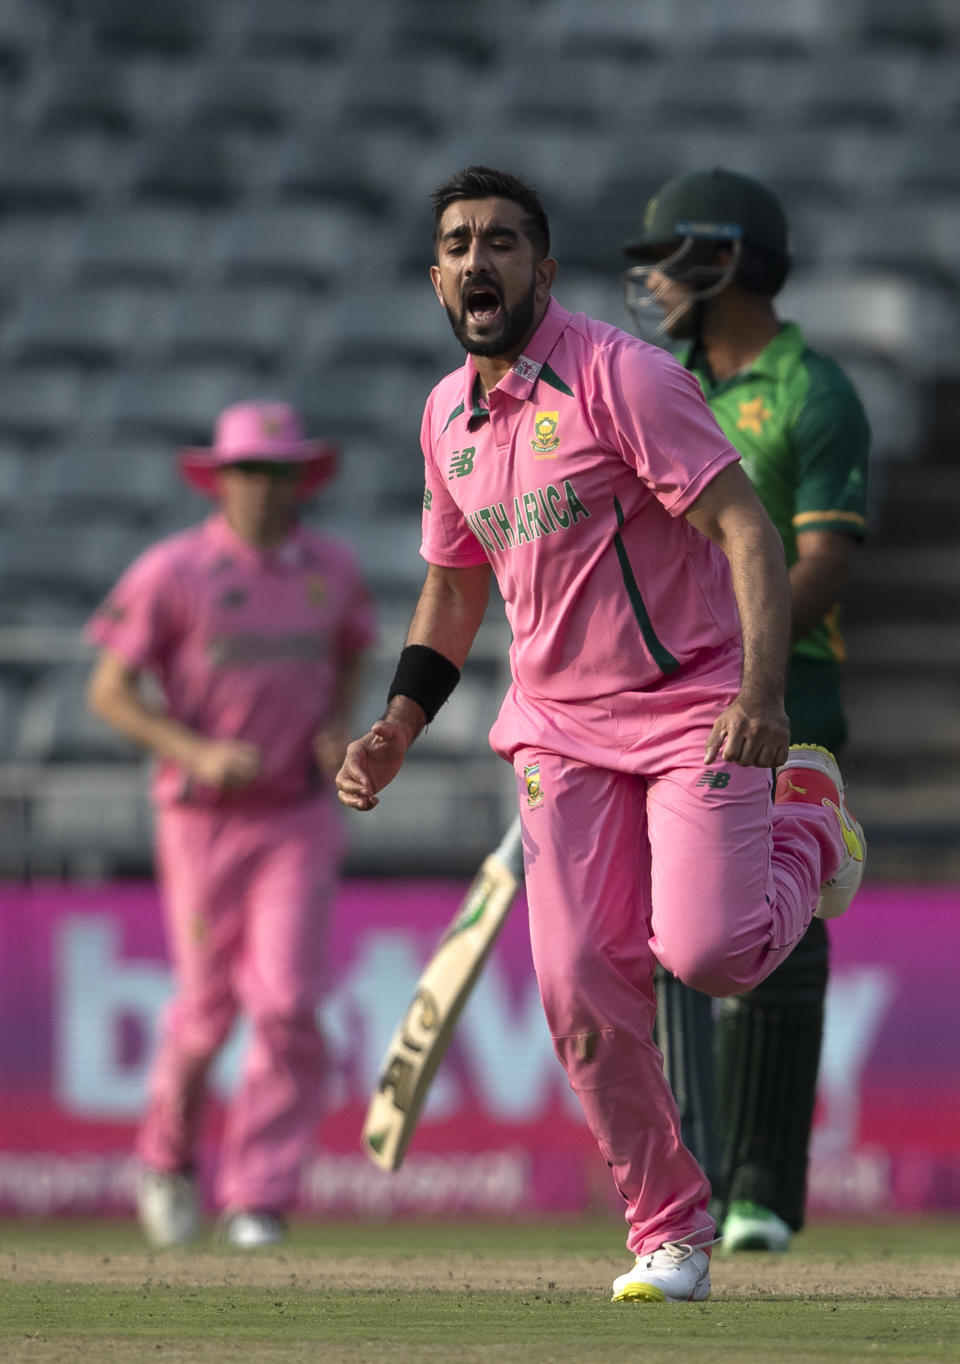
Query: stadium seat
[312,168]
[258,97]
[24,30]
[389,549]
[245,326]
[462,32]
[179,403]
[81,562]
[11,703]
[929,168]
[576,97]
[56,726]
[13,469]
[298,29]
[415,98]
[403,325]
[891,24]
[866,89]
[596,295]
[881,315]
[801,164]
[195,169]
[916,239]
[299,247]
[142,246]
[355,401]
[73,96]
[617,29]
[37,247]
[85,327]
[711,90]
[755,27]
[118,28]
[57,173]
[894,406]
[132,481]
[37,405]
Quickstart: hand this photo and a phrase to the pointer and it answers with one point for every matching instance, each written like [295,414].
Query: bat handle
[510,849]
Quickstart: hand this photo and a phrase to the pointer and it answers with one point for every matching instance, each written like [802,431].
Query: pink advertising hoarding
[83,978]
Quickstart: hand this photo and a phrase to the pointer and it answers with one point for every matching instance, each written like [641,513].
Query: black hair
[481,182]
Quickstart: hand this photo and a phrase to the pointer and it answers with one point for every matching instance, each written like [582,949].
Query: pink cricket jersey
[572,482]
[245,643]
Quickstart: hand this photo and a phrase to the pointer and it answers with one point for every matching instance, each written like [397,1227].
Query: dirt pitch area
[761,1276]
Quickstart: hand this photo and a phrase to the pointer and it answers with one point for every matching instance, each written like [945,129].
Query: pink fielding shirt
[573,488]
[245,644]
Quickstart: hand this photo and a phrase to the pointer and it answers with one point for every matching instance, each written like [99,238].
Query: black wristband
[425,676]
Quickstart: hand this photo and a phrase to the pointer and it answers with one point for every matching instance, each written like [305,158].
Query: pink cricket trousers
[635,851]
[247,900]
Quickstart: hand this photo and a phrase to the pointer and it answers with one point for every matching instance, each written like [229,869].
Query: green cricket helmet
[685,222]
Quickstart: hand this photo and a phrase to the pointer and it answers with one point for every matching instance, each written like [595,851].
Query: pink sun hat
[265,431]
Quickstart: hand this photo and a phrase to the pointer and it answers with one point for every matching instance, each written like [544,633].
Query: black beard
[514,328]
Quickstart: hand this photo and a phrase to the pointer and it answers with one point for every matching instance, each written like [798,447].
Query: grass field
[469,1292]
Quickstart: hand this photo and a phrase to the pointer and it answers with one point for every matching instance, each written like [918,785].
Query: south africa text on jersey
[542,511]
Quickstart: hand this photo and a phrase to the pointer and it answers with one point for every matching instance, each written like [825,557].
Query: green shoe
[748,1226]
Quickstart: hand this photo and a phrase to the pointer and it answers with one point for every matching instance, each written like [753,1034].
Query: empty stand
[140,246]
[39,405]
[132,482]
[910,324]
[178,403]
[248,326]
[84,327]
[78,561]
[56,173]
[56,726]
[296,247]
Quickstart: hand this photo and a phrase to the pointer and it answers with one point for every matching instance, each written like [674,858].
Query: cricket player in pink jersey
[647,593]
[255,628]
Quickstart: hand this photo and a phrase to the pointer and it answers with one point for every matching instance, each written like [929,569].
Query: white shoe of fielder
[252,1229]
[167,1207]
[811,776]
[674,1273]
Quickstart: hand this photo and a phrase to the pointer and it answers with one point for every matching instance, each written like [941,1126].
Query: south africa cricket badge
[531,777]
[545,438]
[317,593]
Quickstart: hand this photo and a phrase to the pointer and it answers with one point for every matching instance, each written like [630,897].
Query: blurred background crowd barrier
[201,202]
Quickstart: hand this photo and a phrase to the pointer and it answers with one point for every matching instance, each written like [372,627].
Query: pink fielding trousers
[247,900]
[636,852]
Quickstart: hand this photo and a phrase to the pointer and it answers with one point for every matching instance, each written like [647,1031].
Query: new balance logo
[714,779]
[461,462]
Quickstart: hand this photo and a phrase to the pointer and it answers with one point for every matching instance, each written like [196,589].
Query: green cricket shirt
[803,440]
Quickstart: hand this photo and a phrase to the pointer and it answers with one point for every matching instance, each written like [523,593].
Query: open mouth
[482,305]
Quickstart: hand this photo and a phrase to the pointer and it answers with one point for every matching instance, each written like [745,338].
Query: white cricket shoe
[750,1226]
[167,1207]
[251,1229]
[811,776]
[674,1273]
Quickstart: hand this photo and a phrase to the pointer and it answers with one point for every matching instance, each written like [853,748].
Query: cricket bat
[421,1038]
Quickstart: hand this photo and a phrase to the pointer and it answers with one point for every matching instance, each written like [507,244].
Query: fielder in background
[649,603]
[714,253]
[255,628]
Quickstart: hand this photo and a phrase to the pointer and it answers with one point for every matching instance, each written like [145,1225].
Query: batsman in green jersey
[712,254]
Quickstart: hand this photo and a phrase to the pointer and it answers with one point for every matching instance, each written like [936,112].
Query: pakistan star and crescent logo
[545,439]
[752,416]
